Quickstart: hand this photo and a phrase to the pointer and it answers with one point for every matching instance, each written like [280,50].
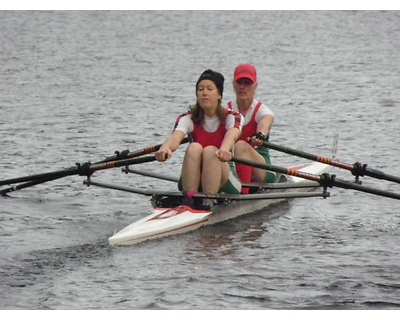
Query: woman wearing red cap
[258,120]
[213,131]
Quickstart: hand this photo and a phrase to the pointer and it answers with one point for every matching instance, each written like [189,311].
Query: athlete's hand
[258,139]
[223,155]
[163,154]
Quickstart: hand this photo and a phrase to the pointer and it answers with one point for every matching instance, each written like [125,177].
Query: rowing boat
[170,218]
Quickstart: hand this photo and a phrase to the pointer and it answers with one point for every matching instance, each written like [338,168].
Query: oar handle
[141,152]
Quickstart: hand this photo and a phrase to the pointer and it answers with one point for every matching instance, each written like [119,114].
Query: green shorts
[270,176]
[232,186]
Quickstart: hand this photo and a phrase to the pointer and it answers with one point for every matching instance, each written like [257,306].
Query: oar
[357,169]
[45,177]
[324,180]
[27,184]
[86,169]
[134,154]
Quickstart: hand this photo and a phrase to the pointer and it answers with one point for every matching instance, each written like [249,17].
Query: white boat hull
[163,222]
[169,221]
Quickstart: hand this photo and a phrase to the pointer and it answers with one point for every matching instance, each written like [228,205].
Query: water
[78,85]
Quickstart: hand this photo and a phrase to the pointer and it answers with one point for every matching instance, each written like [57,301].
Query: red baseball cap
[245,71]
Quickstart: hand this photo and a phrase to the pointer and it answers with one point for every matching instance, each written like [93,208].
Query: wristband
[260,136]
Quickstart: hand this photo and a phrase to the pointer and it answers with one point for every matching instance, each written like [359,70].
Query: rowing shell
[161,223]
[166,221]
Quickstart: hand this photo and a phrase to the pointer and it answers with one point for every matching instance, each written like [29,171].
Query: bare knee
[242,147]
[209,152]
[194,148]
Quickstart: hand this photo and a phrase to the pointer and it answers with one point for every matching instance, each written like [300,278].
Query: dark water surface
[78,85]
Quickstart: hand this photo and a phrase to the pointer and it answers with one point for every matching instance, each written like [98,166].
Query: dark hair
[198,113]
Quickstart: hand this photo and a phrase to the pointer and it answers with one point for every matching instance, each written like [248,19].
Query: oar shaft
[380,175]
[48,175]
[309,156]
[134,154]
[149,150]
[85,169]
[27,185]
[356,169]
[325,180]
[119,163]
[274,168]
[110,162]
[355,186]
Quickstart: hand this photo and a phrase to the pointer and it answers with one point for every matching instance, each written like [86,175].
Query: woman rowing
[213,131]
[258,120]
